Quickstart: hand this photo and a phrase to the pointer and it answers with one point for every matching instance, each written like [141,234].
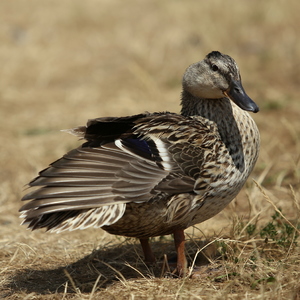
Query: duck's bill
[238,95]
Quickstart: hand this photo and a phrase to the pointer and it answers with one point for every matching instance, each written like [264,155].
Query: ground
[64,62]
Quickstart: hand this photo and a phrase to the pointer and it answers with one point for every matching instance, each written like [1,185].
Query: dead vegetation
[63,62]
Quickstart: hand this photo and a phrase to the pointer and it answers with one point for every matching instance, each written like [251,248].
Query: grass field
[63,62]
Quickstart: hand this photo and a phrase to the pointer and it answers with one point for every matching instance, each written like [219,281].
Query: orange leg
[179,240]
[149,256]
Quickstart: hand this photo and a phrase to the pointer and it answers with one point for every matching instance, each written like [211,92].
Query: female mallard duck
[154,174]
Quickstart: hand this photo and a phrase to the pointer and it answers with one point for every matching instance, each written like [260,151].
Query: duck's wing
[132,159]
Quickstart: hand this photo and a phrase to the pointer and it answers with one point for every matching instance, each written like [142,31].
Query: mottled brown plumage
[155,173]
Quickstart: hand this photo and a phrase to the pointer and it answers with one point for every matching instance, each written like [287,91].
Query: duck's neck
[225,114]
[216,110]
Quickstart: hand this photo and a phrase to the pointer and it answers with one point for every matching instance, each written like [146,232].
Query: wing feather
[143,158]
[94,183]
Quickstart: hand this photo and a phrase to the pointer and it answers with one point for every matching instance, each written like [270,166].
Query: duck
[154,174]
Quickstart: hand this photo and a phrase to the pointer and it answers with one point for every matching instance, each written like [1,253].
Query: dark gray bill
[238,95]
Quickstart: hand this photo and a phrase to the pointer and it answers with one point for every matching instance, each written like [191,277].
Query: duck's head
[215,77]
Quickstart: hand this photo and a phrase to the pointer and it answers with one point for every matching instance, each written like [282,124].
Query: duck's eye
[215,67]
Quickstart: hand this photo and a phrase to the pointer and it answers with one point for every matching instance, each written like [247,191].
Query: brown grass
[63,62]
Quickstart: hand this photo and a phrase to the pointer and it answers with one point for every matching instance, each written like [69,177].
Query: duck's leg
[149,256]
[179,240]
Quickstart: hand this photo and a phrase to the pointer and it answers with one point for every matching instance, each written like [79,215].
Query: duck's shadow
[102,268]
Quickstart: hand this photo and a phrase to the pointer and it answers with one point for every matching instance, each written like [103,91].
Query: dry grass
[63,62]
